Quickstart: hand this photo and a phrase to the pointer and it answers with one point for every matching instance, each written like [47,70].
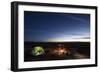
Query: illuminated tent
[38,50]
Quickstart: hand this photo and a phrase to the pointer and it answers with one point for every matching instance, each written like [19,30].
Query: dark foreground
[69,50]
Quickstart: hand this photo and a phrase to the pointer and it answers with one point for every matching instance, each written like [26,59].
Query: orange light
[62,51]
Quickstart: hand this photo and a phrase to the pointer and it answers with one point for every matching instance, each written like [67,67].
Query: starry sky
[56,27]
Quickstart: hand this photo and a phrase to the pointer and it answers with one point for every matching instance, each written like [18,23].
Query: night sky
[56,27]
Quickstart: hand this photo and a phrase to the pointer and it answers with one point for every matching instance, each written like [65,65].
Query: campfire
[60,51]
